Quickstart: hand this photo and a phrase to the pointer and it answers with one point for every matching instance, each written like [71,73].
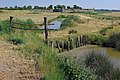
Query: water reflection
[56,25]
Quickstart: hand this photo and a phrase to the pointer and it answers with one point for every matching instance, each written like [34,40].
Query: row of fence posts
[69,44]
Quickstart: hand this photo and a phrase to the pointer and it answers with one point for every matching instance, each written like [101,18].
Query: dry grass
[94,25]
[115,14]
[24,15]
[14,66]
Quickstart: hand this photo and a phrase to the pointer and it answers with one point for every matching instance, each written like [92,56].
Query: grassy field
[91,25]
[115,14]
[31,43]
[25,14]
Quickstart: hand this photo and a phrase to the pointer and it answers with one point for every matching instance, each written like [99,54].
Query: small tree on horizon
[50,7]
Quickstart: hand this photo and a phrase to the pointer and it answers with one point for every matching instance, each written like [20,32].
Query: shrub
[72,31]
[16,41]
[25,24]
[71,72]
[96,39]
[61,16]
[103,31]
[114,41]
[70,21]
[102,66]
[5,26]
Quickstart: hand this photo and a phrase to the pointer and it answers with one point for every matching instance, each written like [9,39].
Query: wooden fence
[12,23]
[60,45]
[69,44]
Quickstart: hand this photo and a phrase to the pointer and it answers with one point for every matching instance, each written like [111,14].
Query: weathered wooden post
[11,18]
[63,46]
[81,40]
[71,44]
[69,37]
[46,30]
[58,46]
[68,45]
[70,41]
[78,41]
[52,45]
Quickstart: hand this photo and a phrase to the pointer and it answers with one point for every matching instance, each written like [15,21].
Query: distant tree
[59,7]
[29,7]
[15,8]
[44,8]
[24,7]
[50,7]
[68,7]
[55,7]
[63,6]
[6,8]
[11,8]
[20,8]
[76,7]
[36,7]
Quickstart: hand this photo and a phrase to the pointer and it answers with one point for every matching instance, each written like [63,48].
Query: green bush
[71,72]
[70,21]
[5,26]
[96,39]
[102,66]
[114,41]
[16,41]
[61,16]
[104,30]
[25,24]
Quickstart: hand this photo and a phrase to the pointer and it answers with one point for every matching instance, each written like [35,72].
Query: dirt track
[15,67]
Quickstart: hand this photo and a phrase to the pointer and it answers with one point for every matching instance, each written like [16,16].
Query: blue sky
[104,4]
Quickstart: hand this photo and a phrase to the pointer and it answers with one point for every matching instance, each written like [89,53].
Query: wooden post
[69,37]
[68,45]
[52,45]
[71,44]
[62,46]
[46,30]
[58,46]
[11,18]
[81,40]
[78,41]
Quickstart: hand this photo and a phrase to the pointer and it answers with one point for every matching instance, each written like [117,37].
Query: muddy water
[113,54]
[83,51]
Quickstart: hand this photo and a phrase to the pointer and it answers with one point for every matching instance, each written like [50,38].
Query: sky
[97,4]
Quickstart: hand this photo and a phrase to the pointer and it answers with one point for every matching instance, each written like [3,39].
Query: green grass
[70,21]
[31,45]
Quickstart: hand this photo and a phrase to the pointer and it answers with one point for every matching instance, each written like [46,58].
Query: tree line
[42,8]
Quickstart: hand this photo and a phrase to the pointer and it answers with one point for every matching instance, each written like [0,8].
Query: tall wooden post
[81,40]
[46,30]
[68,45]
[11,18]
[62,46]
